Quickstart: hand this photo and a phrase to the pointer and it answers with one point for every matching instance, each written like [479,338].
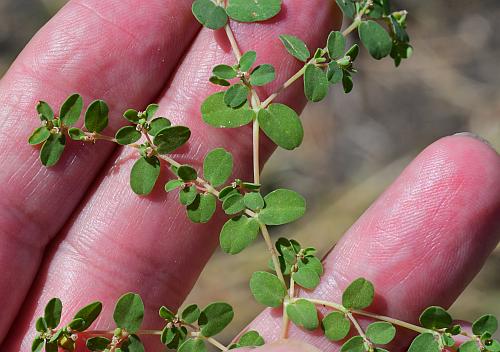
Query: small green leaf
[424,343]
[132,344]
[303,313]
[158,124]
[203,208]
[96,116]
[253,11]
[251,339]
[435,318]
[336,45]
[129,312]
[315,83]
[216,113]
[209,14]
[45,112]
[253,201]
[190,314]
[237,233]
[53,311]
[381,332]
[132,115]
[306,277]
[348,7]
[217,166]
[151,111]
[247,60]
[486,323]
[312,263]
[236,95]
[89,314]
[353,52]
[144,175]
[171,138]
[358,295]
[233,204]
[37,345]
[127,135]
[40,135]
[334,73]
[347,82]
[187,173]
[219,81]
[262,75]
[354,344]
[282,206]
[187,195]
[98,343]
[224,72]
[71,110]
[76,324]
[214,318]
[282,125]
[267,289]
[41,324]
[166,313]
[167,335]
[469,346]
[375,38]
[76,134]
[295,47]
[193,345]
[336,326]
[52,149]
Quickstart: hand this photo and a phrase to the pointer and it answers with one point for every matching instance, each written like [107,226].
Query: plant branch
[359,329]
[272,250]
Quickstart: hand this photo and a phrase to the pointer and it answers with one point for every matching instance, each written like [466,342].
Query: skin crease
[98,255]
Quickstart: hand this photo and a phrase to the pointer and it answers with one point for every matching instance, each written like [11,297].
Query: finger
[122,51]
[121,242]
[421,242]
[283,346]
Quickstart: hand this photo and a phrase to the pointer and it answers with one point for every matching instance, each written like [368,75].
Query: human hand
[90,47]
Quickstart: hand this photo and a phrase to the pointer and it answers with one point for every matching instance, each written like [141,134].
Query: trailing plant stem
[359,329]
[272,250]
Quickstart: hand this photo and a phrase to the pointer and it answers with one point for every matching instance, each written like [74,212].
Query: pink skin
[109,246]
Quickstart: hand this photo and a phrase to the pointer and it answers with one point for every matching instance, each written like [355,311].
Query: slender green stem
[111,332]
[232,41]
[359,329]
[272,250]
[256,151]
[397,322]
[217,344]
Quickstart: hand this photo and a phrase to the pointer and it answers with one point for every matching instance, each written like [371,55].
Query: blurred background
[362,141]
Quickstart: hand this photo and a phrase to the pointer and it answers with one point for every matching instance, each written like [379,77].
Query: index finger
[121,51]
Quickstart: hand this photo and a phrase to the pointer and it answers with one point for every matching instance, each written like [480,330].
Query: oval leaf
[424,343]
[282,125]
[202,208]
[40,135]
[127,135]
[209,14]
[282,206]
[96,116]
[253,11]
[435,318]
[267,289]
[171,138]
[236,95]
[216,113]
[157,125]
[336,326]
[144,174]
[262,75]
[315,83]
[295,47]
[486,323]
[358,295]
[214,318]
[71,110]
[52,149]
[375,38]
[217,166]
[88,314]
[336,45]
[237,233]
[129,312]
[303,313]
[52,314]
[381,332]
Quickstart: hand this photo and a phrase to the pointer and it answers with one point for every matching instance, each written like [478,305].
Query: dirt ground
[359,143]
